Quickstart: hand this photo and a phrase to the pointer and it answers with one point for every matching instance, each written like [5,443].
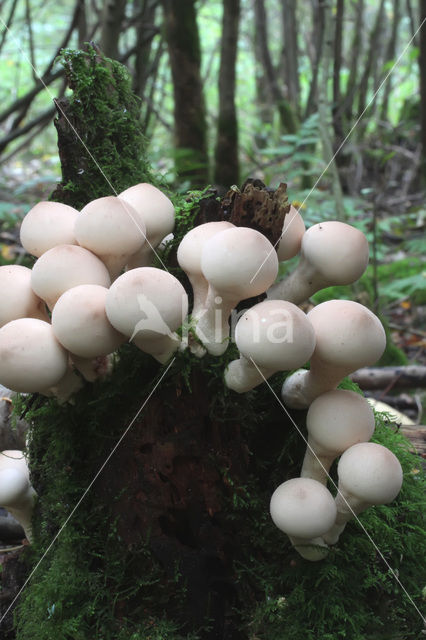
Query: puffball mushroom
[148,305]
[189,258]
[31,358]
[156,212]
[47,225]
[80,324]
[336,420]
[291,236]
[276,336]
[18,497]
[332,253]
[238,263]
[369,474]
[110,228]
[304,509]
[64,267]
[18,300]
[348,336]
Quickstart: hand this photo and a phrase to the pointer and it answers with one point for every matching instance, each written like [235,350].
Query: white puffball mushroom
[47,225]
[156,212]
[64,267]
[16,459]
[276,336]
[238,263]
[110,228]
[80,323]
[291,236]
[332,253]
[18,300]
[369,474]
[18,497]
[31,358]
[189,258]
[348,336]
[335,421]
[304,509]
[148,305]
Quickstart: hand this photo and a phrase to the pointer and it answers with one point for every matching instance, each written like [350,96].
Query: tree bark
[290,53]
[288,119]
[337,66]
[422,67]
[181,30]
[226,170]
[112,20]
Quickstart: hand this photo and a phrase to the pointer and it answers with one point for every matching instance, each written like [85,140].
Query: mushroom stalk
[242,375]
[23,512]
[316,466]
[212,326]
[299,285]
[314,549]
[347,507]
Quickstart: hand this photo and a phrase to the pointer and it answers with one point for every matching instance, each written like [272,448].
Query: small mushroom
[156,212]
[18,497]
[111,229]
[47,225]
[18,300]
[291,236]
[304,509]
[31,358]
[64,267]
[148,305]
[276,336]
[348,336]
[332,253]
[369,474]
[189,259]
[336,420]
[238,263]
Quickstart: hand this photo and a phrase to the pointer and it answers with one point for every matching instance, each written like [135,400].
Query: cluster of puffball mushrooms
[91,289]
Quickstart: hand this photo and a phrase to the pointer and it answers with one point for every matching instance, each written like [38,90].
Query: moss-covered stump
[101,144]
[152,521]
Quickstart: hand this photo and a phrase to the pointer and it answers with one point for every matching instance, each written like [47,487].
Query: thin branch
[43,117]
[28,20]
[8,23]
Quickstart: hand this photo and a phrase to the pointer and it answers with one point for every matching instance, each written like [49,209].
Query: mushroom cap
[337,251]
[292,234]
[110,226]
[31,359]
[370,472]
[303,508]
[239,262]
[347,334]
[338,419]
[18,300]
[80,323]
[64,267]
[13,486]
[46,225]
[276,334]
[192,244]
[148,301]
[13,458]
[153,208]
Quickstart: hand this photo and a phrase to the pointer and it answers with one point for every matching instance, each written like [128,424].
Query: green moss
[110,154]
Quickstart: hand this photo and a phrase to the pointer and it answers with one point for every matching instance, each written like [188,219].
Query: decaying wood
[416,433]
[404,377]
[257,207]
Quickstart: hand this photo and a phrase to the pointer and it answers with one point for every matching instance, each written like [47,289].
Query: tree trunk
[422,66]
[290,53]
[112,21]
[145,32]
[226,153]
[389,57]
[288,119]
[181,30]
[337,66]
